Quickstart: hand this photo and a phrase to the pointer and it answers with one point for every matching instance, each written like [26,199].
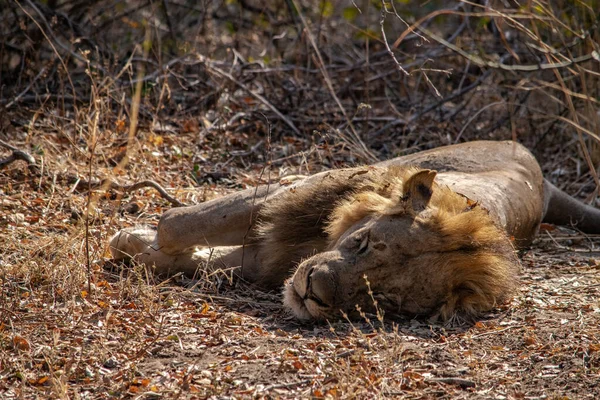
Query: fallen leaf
[530,340]
[21,343]
[298,365]
[547,227]
[120,126]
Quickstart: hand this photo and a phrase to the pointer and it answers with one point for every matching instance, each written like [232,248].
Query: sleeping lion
[434,233]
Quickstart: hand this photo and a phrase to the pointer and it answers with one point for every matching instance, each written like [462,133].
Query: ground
[125,334]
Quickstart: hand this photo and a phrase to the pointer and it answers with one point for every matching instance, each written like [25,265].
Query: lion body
[437,231]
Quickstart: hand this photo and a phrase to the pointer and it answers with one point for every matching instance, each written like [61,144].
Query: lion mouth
[293,301]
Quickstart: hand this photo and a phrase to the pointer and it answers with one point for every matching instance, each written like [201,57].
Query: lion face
[423,250]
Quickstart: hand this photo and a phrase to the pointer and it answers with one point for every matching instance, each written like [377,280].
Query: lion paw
[125,244]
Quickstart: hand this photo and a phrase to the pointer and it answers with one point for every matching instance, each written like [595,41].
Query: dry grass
[72,325]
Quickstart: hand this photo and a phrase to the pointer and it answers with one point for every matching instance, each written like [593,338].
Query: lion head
[424,250]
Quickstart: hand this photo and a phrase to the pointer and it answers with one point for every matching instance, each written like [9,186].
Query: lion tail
[562,209]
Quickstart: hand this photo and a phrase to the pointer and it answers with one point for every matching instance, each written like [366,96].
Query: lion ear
[419,188]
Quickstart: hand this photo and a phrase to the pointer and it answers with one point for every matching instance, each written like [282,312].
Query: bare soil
[126,335]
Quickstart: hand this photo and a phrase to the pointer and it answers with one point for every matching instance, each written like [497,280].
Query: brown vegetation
[208,97]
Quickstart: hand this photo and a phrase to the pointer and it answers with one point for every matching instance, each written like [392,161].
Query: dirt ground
[126,335]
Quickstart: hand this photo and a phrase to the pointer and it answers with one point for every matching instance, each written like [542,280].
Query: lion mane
[461,244]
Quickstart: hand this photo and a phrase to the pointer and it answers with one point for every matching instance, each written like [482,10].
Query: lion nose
[321,286]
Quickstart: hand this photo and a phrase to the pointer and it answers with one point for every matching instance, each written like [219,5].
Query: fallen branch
[16,155]
[463,383]
[104,184]
[96,184]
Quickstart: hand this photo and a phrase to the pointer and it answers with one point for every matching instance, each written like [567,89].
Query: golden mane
[462,249]
[385,196]
[293,224]
[469,250]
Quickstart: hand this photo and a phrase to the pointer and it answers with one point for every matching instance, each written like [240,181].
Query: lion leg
[226,221]
[125,244]
[139,245]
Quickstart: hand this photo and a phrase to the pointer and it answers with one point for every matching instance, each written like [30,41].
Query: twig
[495,332]
[463,383]
[417,34]
[346,353]
[16,155]
[257,96]
[286,385]
[82,184]
[16,99]
[384,37]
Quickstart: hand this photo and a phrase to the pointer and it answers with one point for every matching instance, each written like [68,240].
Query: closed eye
[364,245]
[309,295]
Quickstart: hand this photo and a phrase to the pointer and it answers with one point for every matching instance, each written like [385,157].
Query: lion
[429,234]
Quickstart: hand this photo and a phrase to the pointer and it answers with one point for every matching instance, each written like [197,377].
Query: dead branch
[81,184]
[16,155]
[463,383]
[252,93]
